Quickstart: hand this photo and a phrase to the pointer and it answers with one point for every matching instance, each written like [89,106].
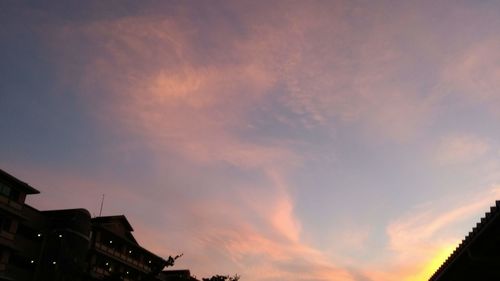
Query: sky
[277,140]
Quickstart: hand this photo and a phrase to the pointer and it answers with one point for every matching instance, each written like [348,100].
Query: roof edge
[19,183]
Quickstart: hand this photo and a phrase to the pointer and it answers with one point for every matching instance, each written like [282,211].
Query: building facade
[115,252]
[16,219]
[70,245]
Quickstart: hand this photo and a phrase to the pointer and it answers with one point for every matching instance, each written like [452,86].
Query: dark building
[176,275]
[59,245]
[478,255]
[115,252]
[16,250]
[64,245]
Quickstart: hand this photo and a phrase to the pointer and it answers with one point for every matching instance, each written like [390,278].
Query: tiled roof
[461,249]
[111,219]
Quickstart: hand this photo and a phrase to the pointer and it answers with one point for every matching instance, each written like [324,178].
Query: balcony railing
[123,257]
[102,272]
[7,235]
[13,204]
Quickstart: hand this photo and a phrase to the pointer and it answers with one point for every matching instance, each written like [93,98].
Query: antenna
[102,203]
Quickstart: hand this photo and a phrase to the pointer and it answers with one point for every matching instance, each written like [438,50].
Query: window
[5,190]
[22,262]
[5,224]
[14,195]
[26,231]
[4,258]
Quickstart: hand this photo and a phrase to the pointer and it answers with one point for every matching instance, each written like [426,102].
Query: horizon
[341,140]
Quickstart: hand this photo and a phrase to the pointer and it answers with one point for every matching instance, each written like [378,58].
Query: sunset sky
[279,140]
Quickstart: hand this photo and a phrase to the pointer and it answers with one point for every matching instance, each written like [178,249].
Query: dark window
[5,223]
[14,195]
[22,262]
[5,190]
[26,231]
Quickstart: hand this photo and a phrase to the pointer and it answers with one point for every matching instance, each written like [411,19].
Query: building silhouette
[70,245]
[477,257]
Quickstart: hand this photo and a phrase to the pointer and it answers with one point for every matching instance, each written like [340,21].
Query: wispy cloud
[474,73]
[461,149]
[423,238]
[179,104]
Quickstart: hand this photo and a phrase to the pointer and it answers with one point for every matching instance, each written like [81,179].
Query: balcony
[100,272]
[119,255]
[7,235]
[11,206]
[29,247]
[9,243]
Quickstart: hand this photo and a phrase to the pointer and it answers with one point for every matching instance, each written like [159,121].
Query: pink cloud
[422,239]
[461,149]
[474,72]
[154,68]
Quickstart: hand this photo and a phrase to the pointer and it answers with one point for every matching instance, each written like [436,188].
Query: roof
[477,255]
[101,222]
[113,219]
[18,183]
[67,212]
[109,223]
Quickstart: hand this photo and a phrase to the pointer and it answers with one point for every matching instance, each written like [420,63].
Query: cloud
[461,149]
[325,76]
[216,235]
[423,238]
[474,73]
[330,77]
[258,239]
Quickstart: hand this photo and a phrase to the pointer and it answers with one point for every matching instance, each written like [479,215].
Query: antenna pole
[102,203]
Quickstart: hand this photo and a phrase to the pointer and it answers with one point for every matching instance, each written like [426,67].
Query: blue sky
[347,140]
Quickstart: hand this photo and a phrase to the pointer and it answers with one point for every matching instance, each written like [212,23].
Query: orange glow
[433,264]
